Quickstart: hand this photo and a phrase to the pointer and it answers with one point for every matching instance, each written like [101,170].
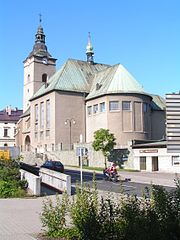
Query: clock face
[45,61]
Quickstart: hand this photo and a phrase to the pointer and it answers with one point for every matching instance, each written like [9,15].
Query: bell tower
[39,66]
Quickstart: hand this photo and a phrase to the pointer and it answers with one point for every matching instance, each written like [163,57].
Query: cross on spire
[40,18]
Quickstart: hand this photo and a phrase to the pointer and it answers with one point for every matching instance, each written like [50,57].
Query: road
[128,187]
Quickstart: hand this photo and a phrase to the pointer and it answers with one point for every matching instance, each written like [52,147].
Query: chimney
[8,110]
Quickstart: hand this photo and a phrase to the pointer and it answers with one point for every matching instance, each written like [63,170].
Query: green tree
[104,141]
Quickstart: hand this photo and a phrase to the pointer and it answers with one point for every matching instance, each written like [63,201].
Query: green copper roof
[73,76]
[115,79]
[95,80]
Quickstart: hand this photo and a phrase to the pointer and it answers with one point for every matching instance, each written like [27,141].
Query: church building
[80,98]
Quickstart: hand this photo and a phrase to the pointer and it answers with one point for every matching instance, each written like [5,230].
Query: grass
[101,169]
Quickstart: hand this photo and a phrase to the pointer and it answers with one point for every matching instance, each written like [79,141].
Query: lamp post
[70,122]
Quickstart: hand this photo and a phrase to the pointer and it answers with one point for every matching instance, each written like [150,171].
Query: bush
[53,215]
[127,218]
[84,213]
[11,189]
[10,183]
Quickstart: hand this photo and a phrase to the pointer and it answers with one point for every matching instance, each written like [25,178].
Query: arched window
[44,77]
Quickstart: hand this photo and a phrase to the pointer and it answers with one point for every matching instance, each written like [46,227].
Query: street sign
[81,151]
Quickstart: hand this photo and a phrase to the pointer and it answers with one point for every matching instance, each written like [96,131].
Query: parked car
[54,165]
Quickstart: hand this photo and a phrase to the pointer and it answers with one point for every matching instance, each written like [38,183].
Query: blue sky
[143,35]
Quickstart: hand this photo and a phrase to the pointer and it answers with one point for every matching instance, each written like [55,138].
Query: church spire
[40,48]
[40,36]
[89,50]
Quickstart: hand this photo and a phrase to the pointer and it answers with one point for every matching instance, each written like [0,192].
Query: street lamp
[70,122]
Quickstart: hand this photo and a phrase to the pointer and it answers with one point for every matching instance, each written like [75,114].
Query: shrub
[53,215]
[11,189]
[84,213]
[10,183]
[167,207]
[127,218]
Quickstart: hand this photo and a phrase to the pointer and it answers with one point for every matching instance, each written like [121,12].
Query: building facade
[80,98]
[173,122]
[163,156]
[8,124]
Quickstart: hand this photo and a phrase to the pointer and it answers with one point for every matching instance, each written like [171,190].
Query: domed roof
[114,80]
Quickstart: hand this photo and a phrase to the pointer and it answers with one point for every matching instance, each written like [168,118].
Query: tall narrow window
[95,108]
[5,132]
[102,107]
[89,110]
[36,113]
[48,114]
[44,78]
[42,115]
[36,117]
[145,107]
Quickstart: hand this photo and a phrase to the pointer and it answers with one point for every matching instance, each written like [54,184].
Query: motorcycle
[114,177]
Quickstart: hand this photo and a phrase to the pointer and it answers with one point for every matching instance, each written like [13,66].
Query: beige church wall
[35,69]
[28,89]
[39,70]
[69,106]
[18,135]
[42,138]
[95,121]
[158,125]
[124,124]
[95,159]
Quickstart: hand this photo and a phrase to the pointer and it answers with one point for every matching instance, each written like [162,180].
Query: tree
[104,141]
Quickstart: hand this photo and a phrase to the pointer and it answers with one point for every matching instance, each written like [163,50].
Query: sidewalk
[20,218]
[164,179]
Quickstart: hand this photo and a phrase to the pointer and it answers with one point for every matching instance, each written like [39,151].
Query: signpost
[81,150]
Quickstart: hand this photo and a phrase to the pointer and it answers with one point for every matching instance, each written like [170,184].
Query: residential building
[8,122]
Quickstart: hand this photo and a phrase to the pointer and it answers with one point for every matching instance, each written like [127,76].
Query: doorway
[142,163]
[155,166]
[27,143]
